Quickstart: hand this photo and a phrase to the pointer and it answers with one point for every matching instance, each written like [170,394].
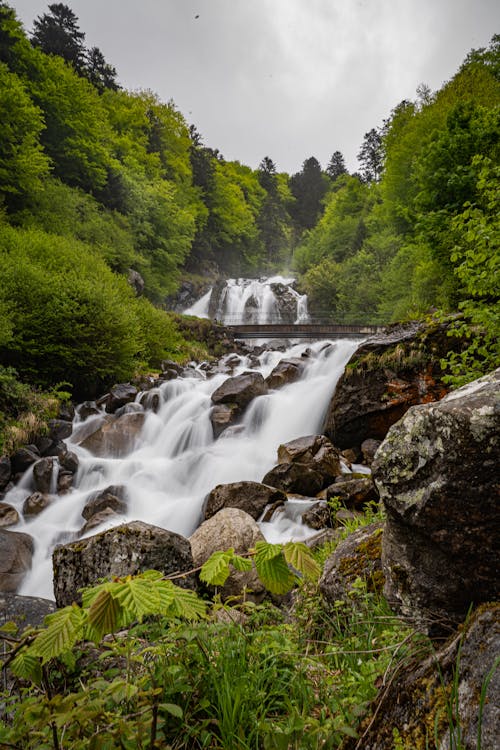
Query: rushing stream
[176,460]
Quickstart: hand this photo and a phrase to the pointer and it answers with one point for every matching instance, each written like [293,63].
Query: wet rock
[368,449]
[113,497]
[230,527]
[5,471]
[87,409]
[107,516]
[252,497]
[24,611]
[437,475]
[151,401]
[286,371]
[357,556]
[240,390]
[8,515]
[119,395]
[295,477]
[24,458]
[170,365]
[318,517]
[64,482]
[353,493]
[124,550]
[314,451]
[384,377]
[459,677]
[222,416]
[16,551]
[35,503]
[59,429]
[112,436]
[69,461]
[132,408]
[42,474]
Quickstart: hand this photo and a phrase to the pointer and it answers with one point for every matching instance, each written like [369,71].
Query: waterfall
[176,461]
[258,301]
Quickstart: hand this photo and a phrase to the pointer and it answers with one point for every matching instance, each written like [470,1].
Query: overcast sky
[287,79]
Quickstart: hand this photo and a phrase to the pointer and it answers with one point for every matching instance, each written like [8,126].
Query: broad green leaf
[299,556]
[137,597]
[172,708]
[121,690]
[104,614]
[186,603]
[275,574]
[64,628]
[26,666]
[266,551]
[241,563]
[216,569]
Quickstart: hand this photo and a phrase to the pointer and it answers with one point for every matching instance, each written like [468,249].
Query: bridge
[312,330]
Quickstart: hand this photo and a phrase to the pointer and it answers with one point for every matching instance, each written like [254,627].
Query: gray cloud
[284,78]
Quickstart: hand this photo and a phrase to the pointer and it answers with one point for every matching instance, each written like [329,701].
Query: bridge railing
[316,319]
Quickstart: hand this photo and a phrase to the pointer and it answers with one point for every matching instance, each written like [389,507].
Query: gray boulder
[286,371]
[437,475]
[119,395]
[295,478]
[24,611]
[42,475]
[223,416]
[240,390]
[252,497]
[113,497]
[16,551]
[112,436]
[35,503]
[125,550]
[314,451]
[8,515]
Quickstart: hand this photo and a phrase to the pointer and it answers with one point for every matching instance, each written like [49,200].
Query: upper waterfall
[259,301]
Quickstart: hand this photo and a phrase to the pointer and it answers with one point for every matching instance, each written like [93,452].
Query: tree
[99,72]
[336,166]
[308,188]
[371,156]
[58,33]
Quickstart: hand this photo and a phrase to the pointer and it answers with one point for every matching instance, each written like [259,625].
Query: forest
[97,182]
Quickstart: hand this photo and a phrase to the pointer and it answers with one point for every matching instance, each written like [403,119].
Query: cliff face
[384,377]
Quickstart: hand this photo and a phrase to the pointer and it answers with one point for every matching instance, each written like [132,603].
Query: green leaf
[64,628]
[104,614]
[274,573]
[186,604]
[215,570]
[27,666]
[172,709]
[266,551]
[299,556]
[137,597]
[241,563]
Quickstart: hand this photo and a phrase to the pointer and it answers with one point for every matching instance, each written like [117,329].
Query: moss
[360,565]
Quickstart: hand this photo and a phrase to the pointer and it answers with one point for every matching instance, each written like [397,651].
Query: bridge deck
[302,330]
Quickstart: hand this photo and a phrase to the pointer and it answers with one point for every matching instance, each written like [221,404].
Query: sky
[288,79]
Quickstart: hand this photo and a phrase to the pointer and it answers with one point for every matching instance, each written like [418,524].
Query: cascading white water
[258,301]
[177,461]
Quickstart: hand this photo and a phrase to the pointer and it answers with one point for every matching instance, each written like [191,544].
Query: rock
[114,436]
[8,515]
[353,493]
[230,527]
[35,503]
[286,371]
[357,556]
[295,477]
[24,458]
[24,611]
[5,471]
[151,401]
[368,449]
[459,678]
[251,497]
[318,517]
[87,409]
[384,377]
[69,461]
[113,497]
[437,475]
[64,482]
[66,411]
[170,365]
[16,551]
[240,390]
[119,395]
[124,550]
[314,451]
[132,408]
[42,475]
[136,281]
[59,429]
[104,516]
[222,416]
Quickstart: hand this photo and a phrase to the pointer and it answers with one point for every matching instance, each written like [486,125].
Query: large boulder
[384,377]
[125,550]
[358,556]
[460,682]
[295,478]
[252,497]
[315,451]
[437,475]
[223,416]
[113,497]
[111,436]
[16,551]
[286,371]
[352,493]
[42,475]
[8,515]
[240,390]
[230,527]
[24,611]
